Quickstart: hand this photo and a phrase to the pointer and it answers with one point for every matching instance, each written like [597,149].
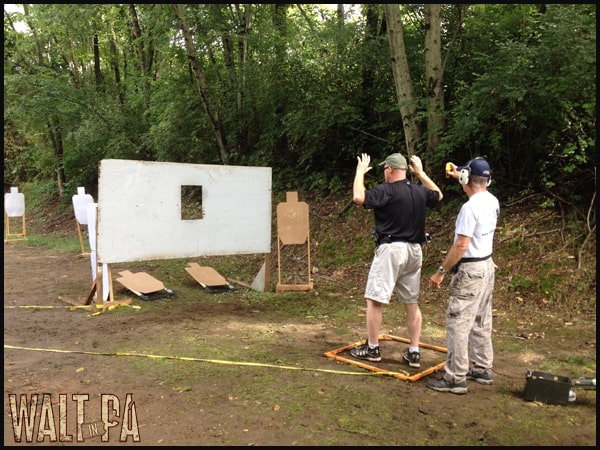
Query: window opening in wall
[191,203]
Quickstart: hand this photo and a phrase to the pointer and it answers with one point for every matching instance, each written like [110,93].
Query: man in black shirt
[399,208]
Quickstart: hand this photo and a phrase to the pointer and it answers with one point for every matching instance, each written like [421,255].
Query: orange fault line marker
[334,354]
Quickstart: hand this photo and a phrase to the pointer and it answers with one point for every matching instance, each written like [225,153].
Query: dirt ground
[67,359]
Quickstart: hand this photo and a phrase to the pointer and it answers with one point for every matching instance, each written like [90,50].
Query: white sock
[413,349]
[371,346]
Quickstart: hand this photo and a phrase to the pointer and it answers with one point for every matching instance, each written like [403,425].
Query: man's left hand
[416,165]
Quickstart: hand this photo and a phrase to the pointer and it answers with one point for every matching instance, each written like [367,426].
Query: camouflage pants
[469,320]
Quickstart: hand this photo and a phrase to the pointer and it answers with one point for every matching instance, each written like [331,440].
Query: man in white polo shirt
[469,260]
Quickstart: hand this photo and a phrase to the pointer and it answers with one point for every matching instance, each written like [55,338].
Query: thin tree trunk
[434,77]
[402,80]
[282,152]
[145,49]
[114,62]
[212,114]
[57,144]
[370,116]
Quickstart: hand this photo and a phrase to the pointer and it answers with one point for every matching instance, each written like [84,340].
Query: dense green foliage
[300,89]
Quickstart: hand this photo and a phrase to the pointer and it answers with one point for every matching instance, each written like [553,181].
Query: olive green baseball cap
[395,161]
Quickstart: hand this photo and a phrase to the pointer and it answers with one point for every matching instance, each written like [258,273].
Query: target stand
[14,206]
[20,235]
[403,375]
[83,253]
[81,200]
[293,229]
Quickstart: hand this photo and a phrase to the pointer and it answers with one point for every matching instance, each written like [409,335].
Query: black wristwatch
[441,269]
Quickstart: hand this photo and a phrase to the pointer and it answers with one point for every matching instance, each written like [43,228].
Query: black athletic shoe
[413,358]
[443,385]
[480,377]
[364,352]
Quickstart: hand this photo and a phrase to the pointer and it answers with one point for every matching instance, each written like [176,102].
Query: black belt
[389,240]
[468,260]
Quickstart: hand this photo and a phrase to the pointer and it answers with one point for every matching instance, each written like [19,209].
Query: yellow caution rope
[214,361]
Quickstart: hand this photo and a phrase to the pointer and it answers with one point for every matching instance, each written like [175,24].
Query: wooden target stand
[333,354]
[14,206]
[81,201]
[83,253]
[95,295]
[10,237]
[293,229]
[97,290]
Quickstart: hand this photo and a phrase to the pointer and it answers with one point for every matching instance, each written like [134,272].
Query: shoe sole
[366,358]
[411,364]
[457,391]
[481,381]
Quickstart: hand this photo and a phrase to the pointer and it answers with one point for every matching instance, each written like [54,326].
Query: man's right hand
[453,173]
[363,163]
[435,282]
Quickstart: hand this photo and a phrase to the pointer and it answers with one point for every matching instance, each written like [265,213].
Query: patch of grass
[570,366]
[519,282]
[51,242]
[330,255]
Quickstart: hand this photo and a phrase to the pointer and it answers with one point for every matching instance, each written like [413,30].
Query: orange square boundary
[333,354]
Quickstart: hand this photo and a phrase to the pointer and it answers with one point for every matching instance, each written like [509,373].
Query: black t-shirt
[399,209]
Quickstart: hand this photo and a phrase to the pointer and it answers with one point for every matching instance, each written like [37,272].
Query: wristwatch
[441,269]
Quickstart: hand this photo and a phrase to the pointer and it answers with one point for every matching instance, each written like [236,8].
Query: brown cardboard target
[292,220]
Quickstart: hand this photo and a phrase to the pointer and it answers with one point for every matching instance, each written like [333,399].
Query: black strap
[388,239]
[467,260]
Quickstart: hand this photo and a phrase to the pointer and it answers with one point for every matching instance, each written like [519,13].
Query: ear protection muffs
[465,174]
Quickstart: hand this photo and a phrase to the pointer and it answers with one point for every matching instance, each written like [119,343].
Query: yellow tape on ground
[214,361]
[97,306]
[100,307]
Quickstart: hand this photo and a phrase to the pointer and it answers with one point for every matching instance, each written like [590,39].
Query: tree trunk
[235,53]
[244,26]
[372,15]
[57,144]
[212,114]
[282,146]
[434,78]
[402,80]
[97,65]
[145,49]
[114,62]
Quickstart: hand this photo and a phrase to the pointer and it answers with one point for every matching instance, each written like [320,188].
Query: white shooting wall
[139,211]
